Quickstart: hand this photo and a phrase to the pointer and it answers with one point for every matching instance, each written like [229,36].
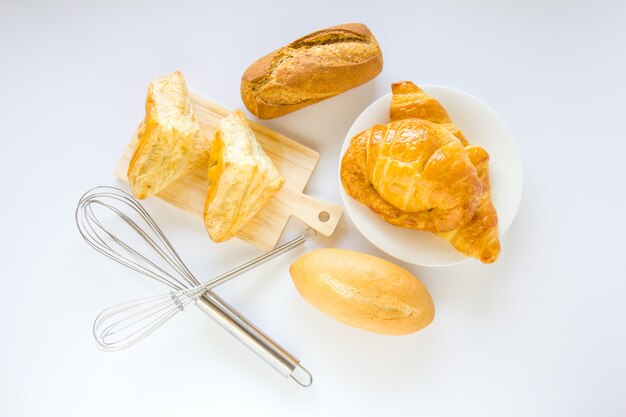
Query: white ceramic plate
[482,126]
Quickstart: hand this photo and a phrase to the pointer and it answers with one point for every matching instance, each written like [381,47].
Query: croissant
[412,173]
[478,238]
[410,101]
[242,178]
[169,141]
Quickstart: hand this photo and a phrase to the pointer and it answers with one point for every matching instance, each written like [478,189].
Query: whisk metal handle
[246,332]
[308,234]
[257,341]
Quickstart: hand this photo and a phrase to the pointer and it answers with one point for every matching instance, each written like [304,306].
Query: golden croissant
[412,173]
[478,237]
[242,178]
[410,101]
[169,141]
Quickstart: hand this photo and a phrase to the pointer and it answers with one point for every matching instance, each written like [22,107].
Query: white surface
[476,120]
[540,333]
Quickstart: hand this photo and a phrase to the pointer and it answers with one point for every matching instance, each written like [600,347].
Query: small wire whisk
[123,325]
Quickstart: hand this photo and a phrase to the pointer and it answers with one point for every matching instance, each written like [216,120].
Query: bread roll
[311,69]
[363,291]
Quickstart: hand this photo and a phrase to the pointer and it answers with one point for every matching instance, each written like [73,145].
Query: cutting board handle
[318,214]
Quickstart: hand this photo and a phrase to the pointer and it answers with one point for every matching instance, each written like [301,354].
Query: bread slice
[242,178]
[169,141]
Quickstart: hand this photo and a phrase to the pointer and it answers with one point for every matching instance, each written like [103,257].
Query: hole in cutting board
[323,216]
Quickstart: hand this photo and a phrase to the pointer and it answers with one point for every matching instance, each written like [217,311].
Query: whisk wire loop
[109,244]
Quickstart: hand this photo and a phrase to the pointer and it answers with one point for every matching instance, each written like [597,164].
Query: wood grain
[293,160]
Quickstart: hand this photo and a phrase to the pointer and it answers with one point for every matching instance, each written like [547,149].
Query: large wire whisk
[123,325]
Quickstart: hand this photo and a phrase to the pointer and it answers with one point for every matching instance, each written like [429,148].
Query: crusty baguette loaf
[311,69]
[363,291]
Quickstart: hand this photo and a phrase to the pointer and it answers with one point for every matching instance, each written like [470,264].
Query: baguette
[363,291]
[311,69]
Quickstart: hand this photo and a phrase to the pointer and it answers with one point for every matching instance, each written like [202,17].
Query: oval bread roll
[311,69]
[363,291]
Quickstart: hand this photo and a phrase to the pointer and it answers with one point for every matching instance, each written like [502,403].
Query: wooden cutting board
[294,161]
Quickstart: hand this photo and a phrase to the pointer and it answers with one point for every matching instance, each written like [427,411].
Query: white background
[541,332]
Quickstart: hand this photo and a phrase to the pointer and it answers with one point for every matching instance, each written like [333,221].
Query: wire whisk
[123,325]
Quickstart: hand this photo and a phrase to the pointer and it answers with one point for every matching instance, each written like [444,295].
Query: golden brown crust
[410,101]
[241,178]
[413,174]
[169,141]
[477,238]
[363,291]
[311,69]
